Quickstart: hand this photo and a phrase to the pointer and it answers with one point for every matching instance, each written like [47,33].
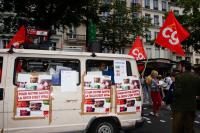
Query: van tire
[104,126]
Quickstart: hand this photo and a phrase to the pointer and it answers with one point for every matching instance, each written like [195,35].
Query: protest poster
[32,96]
[128,99]
[97,94]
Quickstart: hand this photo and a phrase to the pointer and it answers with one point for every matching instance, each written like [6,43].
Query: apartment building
[74,38]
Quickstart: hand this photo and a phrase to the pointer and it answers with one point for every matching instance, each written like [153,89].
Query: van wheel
[102,126]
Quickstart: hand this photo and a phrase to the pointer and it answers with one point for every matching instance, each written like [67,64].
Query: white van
[56,91]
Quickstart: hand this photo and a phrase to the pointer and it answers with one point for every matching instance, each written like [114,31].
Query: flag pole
[145,65]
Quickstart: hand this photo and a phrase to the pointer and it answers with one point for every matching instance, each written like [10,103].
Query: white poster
[119,70]
[69,80]
[23,77]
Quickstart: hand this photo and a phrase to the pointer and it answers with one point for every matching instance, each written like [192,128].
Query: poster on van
[128,95]
[97,94]
[32,96]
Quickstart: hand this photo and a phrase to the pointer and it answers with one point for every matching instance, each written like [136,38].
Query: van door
[2,90]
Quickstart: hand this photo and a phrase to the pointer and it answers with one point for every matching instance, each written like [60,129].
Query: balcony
[75,38]
[135,5]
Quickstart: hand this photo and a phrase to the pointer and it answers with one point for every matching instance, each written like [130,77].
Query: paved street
[162,124]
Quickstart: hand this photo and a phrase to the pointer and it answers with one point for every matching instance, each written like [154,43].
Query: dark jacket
[187,87]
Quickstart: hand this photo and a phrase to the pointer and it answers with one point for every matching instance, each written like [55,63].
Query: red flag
[18,39]
[137,50]
[172,34]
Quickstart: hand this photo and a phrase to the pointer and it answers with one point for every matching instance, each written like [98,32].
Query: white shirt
[168,80]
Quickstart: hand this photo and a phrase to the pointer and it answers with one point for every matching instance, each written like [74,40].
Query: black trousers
[183,122]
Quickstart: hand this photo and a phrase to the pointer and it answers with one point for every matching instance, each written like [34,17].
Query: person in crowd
[107,70]
[169,95]
[149,83]
[184,99]
[168,82]
[145,90]
[161,83]
[155,95]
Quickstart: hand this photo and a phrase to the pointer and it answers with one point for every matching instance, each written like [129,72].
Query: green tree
[191,21]
[44,13]
[120,25]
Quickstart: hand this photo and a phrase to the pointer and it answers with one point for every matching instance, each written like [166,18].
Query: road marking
[146,118]
[149,122]
[162,121]
[197,122]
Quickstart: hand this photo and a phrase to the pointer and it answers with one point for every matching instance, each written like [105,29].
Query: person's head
[184,66]
[33,79]
[102,66]
[159,77]
[154,73]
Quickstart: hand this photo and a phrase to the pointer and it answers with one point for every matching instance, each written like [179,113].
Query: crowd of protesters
[178,92]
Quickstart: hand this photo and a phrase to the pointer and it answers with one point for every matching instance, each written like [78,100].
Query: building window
[157,52]
[105,14]
[178,58]
[149,53]
[166,54]
[135,2]
[148,36]
[197,61]
[147,3]
[72,32]
[163,19]
[106,1]
[147,16]
[164,5]
[135,15]
[155,4]
[155,34]
[156,20]
[176,12]
[187,59]
[3,43]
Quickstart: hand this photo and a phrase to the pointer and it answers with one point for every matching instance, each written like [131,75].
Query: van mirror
[1,94]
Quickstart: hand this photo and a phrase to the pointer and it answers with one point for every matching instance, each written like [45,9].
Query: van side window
[48,66]
[1,66]
[128,68]
[105,67]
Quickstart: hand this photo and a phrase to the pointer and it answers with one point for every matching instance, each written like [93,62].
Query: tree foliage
[119,25]
[191,20]
[44,13]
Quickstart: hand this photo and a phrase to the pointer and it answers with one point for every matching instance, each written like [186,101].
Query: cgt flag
[137,50]
[18,38]
[172,34]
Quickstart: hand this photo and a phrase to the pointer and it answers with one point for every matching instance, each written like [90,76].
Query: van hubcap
[104,129]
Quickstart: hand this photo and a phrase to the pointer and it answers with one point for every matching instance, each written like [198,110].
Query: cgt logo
[171,34]
[136,53]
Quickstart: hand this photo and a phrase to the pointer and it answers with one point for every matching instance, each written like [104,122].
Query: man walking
[184,101]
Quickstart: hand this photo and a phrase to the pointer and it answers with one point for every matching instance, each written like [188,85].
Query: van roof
[47,52]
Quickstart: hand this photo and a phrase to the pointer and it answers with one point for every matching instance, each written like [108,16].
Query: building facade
[74,38]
